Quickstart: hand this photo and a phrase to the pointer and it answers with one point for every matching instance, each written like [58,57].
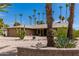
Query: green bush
[76,33]
[60,32]
[20,33]
[62,41]
[1,32]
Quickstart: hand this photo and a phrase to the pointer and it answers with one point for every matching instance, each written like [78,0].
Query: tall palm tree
[43,16]
[34,16]
[16,24]
[70,22]
[60,12]
[34,10]
[4,5]
[30,20]
[53,12]
[62,18]
[15,18]
[67,5]
[21,18]
[39,16]
[35,20]
[50,37]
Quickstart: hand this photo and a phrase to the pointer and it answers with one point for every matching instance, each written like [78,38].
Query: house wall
[11,32]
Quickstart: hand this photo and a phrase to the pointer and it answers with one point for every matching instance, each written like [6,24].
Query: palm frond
[2,10]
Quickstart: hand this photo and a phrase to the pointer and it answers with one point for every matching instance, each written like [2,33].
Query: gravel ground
[8,45]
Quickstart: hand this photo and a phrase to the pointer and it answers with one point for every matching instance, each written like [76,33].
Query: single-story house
[35,30]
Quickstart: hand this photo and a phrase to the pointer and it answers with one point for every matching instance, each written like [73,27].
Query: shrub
[1,32]
[64,42]
[76,33]
[20,33]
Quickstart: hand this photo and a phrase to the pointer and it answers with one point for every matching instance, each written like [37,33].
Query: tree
[40,22]
[60,12]
[70,22]
[35,20]
[50,36]
[67,5]
[1,23]
[53,12]
[16,24]
[21,17]
[4,5]
[15,18]
[38,15]
[62,18]
[30,19]
[34,10]
[43,14]
[34,16]
[6,25]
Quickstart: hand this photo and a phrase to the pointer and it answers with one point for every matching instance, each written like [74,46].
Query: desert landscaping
[50,30]
[8,45]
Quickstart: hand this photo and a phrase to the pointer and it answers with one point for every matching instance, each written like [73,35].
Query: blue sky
[27,10]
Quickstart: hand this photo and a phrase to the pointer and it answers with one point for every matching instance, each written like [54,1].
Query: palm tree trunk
[70,22]
[66,12]
[50,37]
[30,22]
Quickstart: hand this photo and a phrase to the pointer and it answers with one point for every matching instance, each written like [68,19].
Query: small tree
[16,24]
[20,33]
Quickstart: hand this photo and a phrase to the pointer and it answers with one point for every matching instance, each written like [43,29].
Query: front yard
[8,44]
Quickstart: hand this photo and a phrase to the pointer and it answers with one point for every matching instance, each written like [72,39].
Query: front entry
[40,32]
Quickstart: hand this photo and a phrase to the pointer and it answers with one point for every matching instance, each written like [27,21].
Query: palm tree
[34,10]
[53,12]
[35,20]
[62,18]
[15,18]
[43,16]
[15,21]
[30,19]
[67,5]
[21,18]
[4,5]
[60,12]
[6,25]
[34,16]
[70,22]
[39,16]
[50,37]
[16,24]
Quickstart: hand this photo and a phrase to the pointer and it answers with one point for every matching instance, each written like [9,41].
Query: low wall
[47,51]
